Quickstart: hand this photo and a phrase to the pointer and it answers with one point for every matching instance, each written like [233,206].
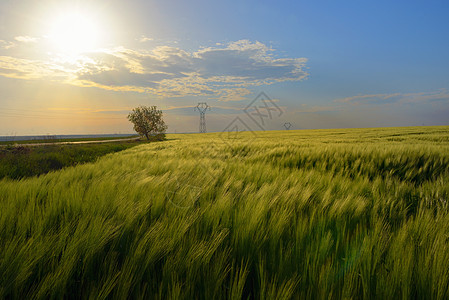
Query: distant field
[312,214]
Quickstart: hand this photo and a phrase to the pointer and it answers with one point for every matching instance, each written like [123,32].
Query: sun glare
[74,33]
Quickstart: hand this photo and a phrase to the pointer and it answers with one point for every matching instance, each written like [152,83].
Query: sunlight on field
[350,213]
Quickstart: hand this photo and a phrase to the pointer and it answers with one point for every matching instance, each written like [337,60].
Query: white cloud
[26,39]
[30,69]
[224,72]
[144,39]
[6,45]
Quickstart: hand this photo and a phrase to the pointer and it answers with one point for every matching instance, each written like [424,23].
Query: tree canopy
[148,122]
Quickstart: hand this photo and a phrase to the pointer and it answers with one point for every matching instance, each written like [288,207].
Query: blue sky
[326,64]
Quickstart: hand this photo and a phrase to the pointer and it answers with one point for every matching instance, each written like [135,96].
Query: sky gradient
[325,64]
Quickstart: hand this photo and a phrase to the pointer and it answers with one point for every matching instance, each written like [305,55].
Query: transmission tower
[202,107]
[287,125]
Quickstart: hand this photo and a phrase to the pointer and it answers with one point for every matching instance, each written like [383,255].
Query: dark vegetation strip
[18,162]
[49,140]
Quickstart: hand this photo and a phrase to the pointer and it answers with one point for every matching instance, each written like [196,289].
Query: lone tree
[148,122]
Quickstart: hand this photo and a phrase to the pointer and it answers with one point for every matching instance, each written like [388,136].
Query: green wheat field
[306,214]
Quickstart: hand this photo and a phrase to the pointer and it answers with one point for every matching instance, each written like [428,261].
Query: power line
[202,107]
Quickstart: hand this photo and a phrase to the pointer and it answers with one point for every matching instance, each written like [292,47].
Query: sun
[74,33]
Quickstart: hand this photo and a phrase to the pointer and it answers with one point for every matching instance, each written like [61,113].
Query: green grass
[354,213]
[51,139]
[25,161]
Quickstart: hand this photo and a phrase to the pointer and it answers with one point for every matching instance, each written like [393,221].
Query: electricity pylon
[202,107]
[287,125]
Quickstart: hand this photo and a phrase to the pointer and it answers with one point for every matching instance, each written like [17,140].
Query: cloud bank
[225,72]
[399,98]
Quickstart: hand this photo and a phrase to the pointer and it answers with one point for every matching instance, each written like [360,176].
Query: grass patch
[316,214]
[21,161]
[54,139]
